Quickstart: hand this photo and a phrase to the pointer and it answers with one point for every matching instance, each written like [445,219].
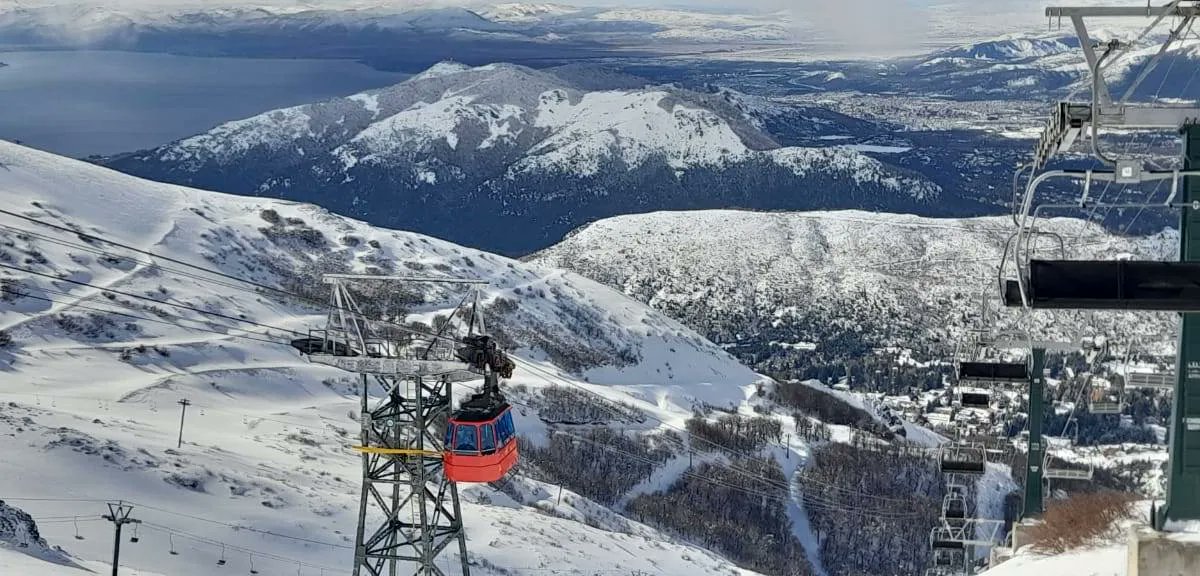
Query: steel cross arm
[335,278]
[1124,11]
[1051,345]
[1161,117]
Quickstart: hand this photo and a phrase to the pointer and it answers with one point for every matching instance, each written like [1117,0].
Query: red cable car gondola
[480,446]
[481,441]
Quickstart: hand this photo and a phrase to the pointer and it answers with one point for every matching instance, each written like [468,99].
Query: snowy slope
[525,155]
[91,395]
[882,279]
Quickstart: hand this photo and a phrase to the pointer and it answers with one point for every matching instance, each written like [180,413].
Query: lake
[78,103]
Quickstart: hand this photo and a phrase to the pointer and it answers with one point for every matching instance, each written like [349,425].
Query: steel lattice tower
[409,513]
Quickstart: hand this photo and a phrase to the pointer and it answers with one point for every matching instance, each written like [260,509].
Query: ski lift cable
[1157,93]
[818,501]
[147,263]
[265,287]
[244,550]
[148,299]
[70,305]
[1128,46]
[258,285]
[155,265]
[235,527]
[1182,95]
[754,477]
[324,429]
[549,379]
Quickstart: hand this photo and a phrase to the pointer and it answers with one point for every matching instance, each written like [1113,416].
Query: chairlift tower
[1129,285]
[409,512]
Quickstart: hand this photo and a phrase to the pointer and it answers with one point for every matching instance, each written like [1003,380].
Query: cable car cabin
[993,372]
[1109,285]
[481,445]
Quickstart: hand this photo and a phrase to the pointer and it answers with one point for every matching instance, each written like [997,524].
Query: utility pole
[1032,507]
[1183,475]
[118,514]
[183,412]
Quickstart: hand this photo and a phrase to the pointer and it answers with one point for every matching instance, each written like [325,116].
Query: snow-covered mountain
[845,281]
[1021,66]
[509,158]
[364,29]
[89,377]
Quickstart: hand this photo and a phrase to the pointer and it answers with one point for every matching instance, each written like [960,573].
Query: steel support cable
[146,263]
[300,297]
[754,477]
[73,305]
[323,429]
[1129,45]
[182,515]
[551,379]
[817,501]
[402,326]
[751,491]
[244,550]
[148,299]
[1157,93]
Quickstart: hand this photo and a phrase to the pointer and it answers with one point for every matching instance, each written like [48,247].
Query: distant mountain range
[510,159]
[390,35]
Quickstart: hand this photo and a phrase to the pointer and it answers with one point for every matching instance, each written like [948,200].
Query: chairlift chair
[962,459]
[1002,372]
[954,506]
[943,538]
[944,571]
[1106,401]
[1151,380]
[1059,470]
[1062,283]
[974,398]
[948,561]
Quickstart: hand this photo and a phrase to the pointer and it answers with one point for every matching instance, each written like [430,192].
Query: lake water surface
[100,102]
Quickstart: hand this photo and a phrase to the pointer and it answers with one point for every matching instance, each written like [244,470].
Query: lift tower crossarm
[1072,119]
[1180,9]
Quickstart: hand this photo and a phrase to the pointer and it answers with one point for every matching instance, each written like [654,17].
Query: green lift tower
[1183,479]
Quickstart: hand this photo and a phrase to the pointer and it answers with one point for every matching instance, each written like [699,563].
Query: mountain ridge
[526,156]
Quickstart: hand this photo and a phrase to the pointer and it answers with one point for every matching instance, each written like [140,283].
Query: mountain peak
[443,68]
